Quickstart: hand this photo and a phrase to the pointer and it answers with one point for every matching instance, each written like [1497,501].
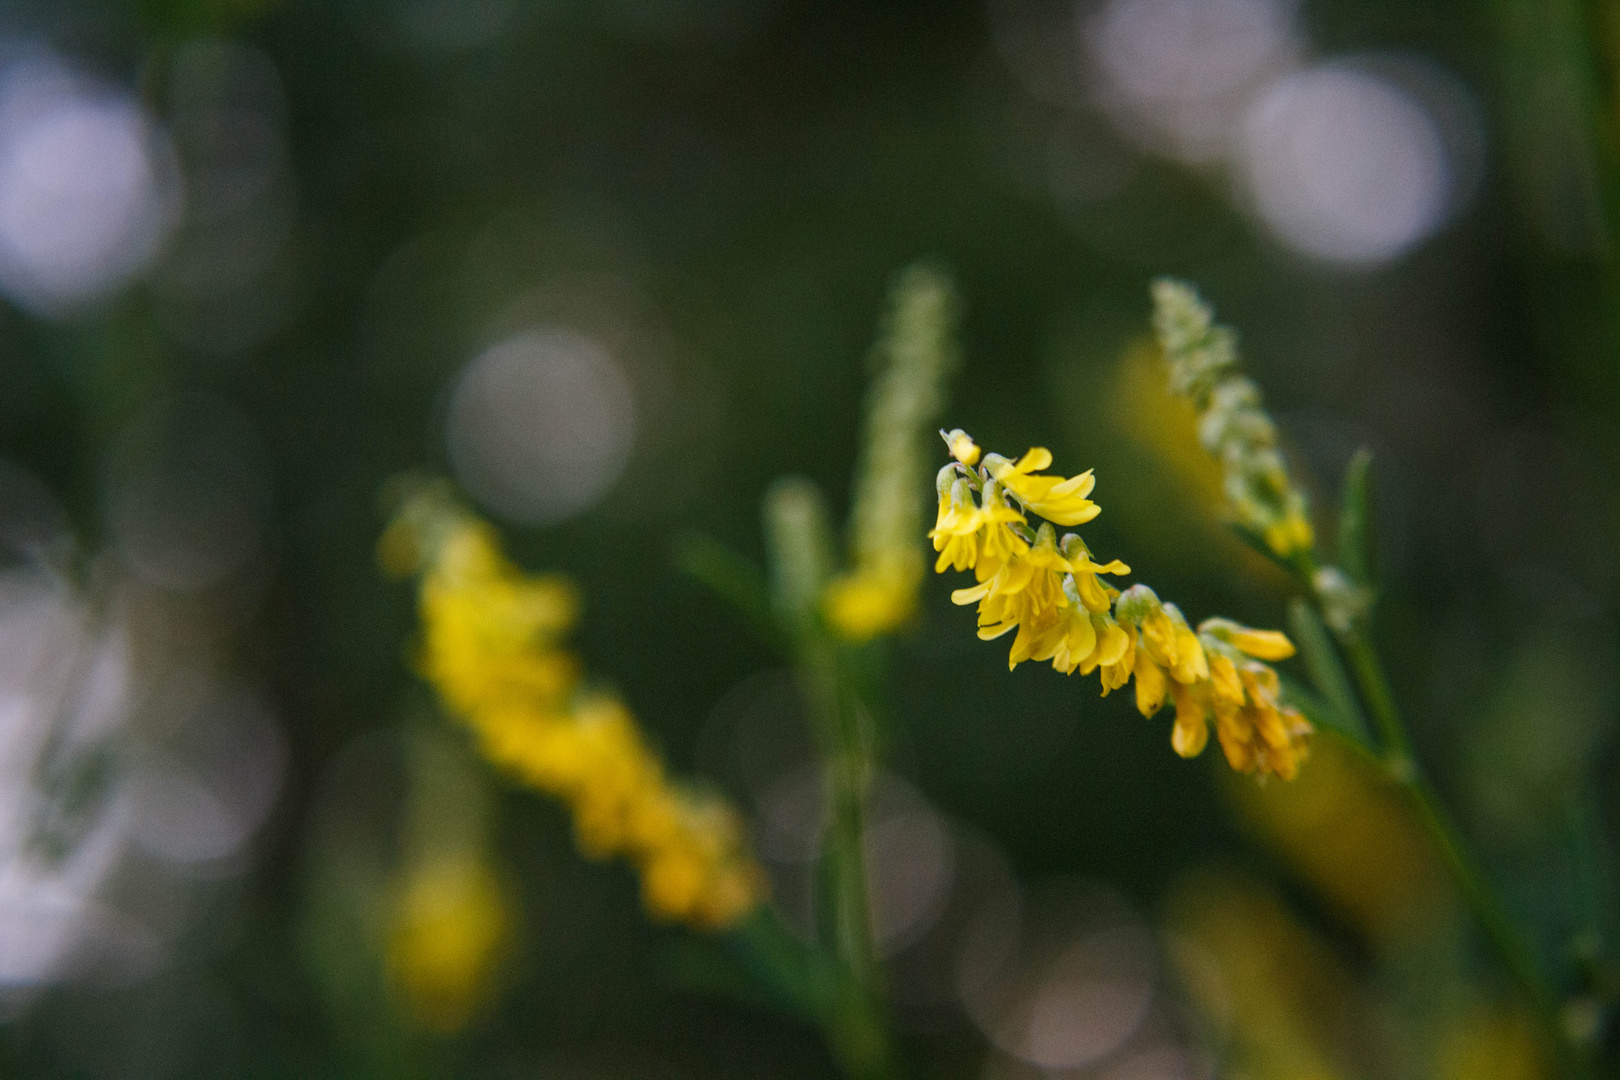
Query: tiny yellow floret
[962,446]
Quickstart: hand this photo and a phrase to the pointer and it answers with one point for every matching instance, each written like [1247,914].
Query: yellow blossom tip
[962,446]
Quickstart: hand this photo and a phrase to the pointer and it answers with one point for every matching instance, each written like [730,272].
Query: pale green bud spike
[1233,425]
[915,355]
[800,549]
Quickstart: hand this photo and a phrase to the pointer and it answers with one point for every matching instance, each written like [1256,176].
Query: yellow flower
[449,925]
[1191,731]
[1093,593]
[917,354]
[491,646]
[998,540]
[1117,673]
[956,529]
[1061,501]
[1051,594]
[867,603]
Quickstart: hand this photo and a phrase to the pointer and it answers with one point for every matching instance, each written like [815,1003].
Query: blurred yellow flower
[1279,1002]
[491,645]
[1049,591]
[870,602]
[450,922]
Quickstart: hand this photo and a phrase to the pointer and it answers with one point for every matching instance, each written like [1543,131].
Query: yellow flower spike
[1233,425]
[1260,644]
[962,446]
[865,604]
[491,647]
[915,356]
[1051,593]
[450,924]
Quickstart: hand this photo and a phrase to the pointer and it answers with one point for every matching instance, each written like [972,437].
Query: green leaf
[1337,700]
[790,969]
[1356,555]
[733,578]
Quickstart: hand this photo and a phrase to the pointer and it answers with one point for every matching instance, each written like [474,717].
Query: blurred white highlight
[1345,165]
[907,848]
[217,778]
[63,692]
[88,188]
[1351,162]
[1062,983]
[541,424]
[1177,72]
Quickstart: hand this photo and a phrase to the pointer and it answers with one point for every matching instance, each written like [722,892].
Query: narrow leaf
[1327,672]
[732,577]
[1356,555]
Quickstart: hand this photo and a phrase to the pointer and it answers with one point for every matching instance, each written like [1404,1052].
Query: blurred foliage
[719,192]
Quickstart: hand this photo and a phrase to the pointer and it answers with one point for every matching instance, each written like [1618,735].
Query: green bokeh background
[732,186]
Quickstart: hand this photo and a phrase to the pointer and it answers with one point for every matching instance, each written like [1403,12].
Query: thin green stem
[860,1030]
[1404,769]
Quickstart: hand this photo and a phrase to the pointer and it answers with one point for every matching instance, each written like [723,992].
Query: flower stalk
[799,539]
[1202,361]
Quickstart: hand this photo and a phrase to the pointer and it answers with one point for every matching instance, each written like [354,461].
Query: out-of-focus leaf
[733,578]
[1357,557]
[1333,693]
[802,978]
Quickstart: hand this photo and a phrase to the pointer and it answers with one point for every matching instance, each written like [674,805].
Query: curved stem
[1448,840]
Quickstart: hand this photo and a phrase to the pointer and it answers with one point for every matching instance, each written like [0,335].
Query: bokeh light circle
[541,424]
[1345,165]
[88,188]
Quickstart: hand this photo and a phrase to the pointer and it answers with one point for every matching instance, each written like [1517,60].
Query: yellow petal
[1264,644]
[1038,457]
[970,595]
[1189,737]
[1150,686]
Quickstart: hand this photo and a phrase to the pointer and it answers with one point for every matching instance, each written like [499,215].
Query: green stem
[1471,881]
[843,724]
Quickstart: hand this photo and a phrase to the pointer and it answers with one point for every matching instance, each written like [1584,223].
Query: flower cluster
[492,647]
[1050,590]
[1232,424]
